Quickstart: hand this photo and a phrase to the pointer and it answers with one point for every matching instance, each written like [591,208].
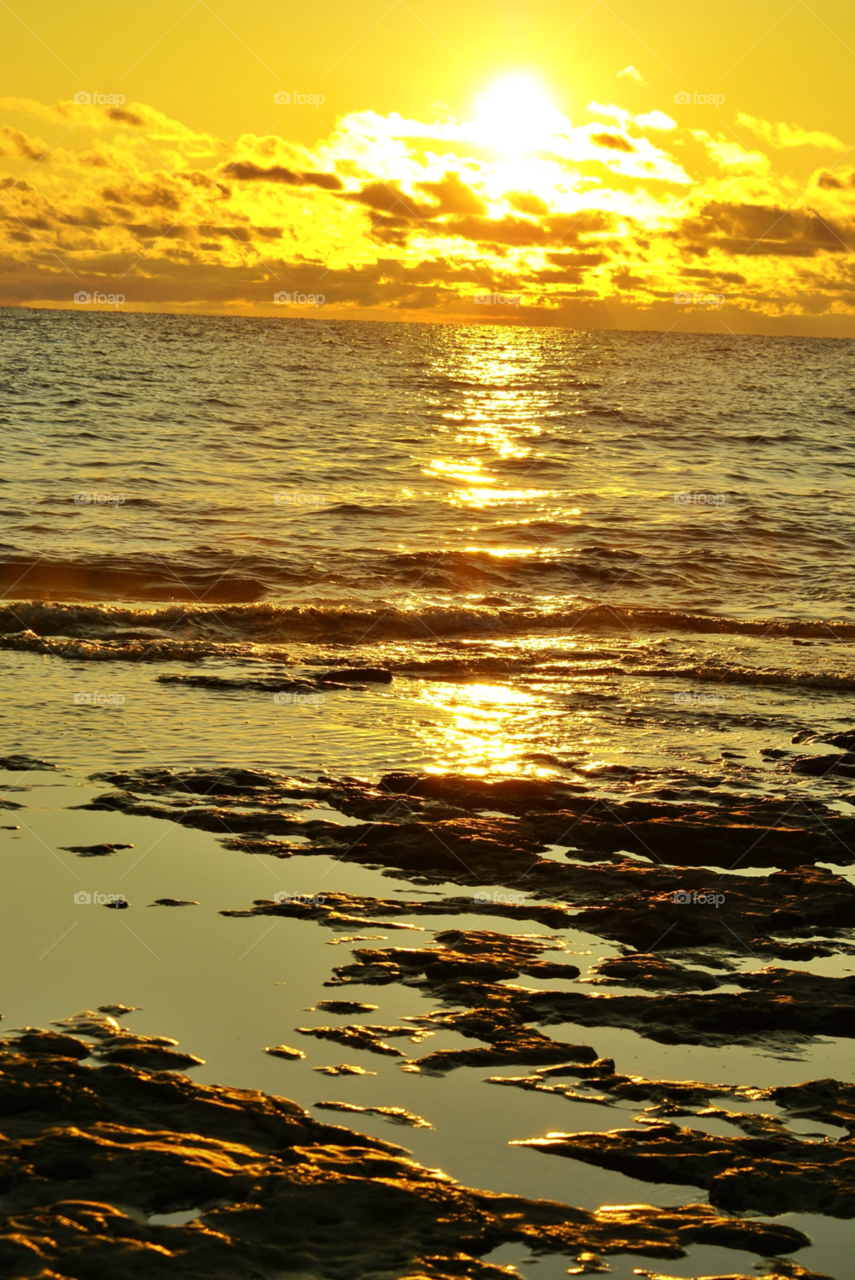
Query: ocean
[331,555]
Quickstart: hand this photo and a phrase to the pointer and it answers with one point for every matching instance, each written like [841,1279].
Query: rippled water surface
[419,464]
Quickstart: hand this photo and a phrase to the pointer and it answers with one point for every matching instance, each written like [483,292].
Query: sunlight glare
[515,115]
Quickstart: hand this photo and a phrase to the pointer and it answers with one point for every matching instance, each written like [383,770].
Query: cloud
[15,143]
[631,74]
[410,217]
[789,135]
[612,142]
[655,120]
[248,172]
[610,112]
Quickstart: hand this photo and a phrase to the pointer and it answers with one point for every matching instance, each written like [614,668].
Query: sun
[515,115]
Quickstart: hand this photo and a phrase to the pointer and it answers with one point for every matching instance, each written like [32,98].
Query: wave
[85,630]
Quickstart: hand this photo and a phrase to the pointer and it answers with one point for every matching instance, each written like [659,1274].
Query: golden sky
[643,164]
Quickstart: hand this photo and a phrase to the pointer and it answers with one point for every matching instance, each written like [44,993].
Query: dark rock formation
[267,1181]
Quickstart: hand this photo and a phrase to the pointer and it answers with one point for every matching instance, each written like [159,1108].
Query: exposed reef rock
[770,1171]
[368,1037]
[267,1180]
[437,824]
[285,1051]
[398,1115]
[94,850]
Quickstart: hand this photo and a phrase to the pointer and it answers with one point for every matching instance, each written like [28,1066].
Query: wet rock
[173,902]
[398,1115]
[267,1180]
[345,1006]
[33,1040]
[772,1172]
[121,904]
[23,764]
[823,766]
[87,1022]
[650,971]
[829,1101]
[255,684]
[344,1069]
[119,1010]
[438,831]
[94,850]
[151,1056]
[285,1051]
[783,1269]
[475,956]
[128,1039]
[589,1264]
[360,1037]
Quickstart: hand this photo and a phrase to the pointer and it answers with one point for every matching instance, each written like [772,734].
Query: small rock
[398,1115]
[344,1069]
[173,902]
[285,1051]
[94,850]
[345,1006]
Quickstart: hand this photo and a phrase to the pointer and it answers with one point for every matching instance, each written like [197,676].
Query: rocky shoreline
[712,908]
[89,1156]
